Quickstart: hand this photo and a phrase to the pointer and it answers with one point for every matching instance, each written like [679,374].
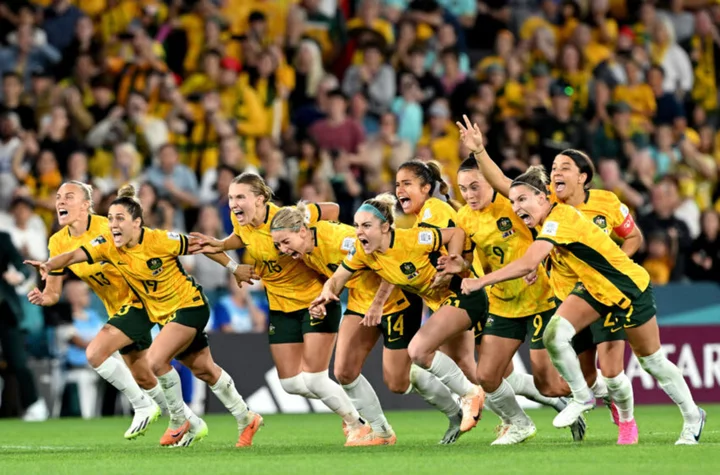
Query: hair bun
[127,191]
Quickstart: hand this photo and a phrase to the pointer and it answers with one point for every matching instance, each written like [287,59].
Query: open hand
[40,266]
[471,135]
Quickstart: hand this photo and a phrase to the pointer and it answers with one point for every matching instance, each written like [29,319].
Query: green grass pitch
[314,444]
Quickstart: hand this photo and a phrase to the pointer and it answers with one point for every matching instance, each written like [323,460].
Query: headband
[516,182]
[371,209]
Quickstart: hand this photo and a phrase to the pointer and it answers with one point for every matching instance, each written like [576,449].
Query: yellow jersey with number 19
[608,213]
[605,271]
[153,270]
[104,279]
[500,237]
[290,284]
[406,263]
[333,241]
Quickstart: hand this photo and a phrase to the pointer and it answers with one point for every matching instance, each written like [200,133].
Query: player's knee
[419,354]
[396,382]
[96,354]
[558,333]
[657,365]
[316,382]
[346,374]
[489,379]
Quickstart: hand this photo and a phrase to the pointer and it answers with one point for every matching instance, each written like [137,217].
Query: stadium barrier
[690,331]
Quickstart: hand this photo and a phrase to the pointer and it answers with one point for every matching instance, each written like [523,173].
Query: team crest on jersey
[504,224]
[154,264]
[600,221]
[332,267]
[97,241]
[408,268]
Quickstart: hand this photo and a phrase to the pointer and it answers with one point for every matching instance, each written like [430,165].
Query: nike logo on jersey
[535,340]
[314,322]
[390,340]
[615,330]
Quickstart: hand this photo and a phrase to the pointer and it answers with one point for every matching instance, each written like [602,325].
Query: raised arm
[521,267]
[472,138]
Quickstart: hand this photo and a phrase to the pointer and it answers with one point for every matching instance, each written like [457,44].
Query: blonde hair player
[403,257]
[148,260]
[571,178]
[495,237]
[301,344]
[608,278]
[127,330]
[323,246]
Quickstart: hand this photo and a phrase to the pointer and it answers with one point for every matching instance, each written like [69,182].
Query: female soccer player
[496,237]
[608,280]
[128,329]
[323,246]
[300,343]
[148,260]
[571,177]
[403,257]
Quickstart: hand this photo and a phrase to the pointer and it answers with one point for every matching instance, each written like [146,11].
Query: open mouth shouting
[559,184]
[117,236]
[62,213]
[405,203]
[527,219]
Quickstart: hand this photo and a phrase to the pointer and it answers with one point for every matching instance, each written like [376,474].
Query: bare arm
[472,138]
[633,242]
[454,238]
[329,211]
[382,294]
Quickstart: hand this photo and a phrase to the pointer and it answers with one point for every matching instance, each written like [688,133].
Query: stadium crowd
[325,98]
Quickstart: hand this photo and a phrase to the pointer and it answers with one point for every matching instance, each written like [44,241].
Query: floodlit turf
[314,444]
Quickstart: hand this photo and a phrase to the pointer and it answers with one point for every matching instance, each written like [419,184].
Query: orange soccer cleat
[173,436]
[472,406]
[246,436]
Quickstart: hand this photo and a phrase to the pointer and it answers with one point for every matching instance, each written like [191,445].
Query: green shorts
[519,328]
[476,305]
[289,327]
[136,325]
[613,318]
[400,327]
[197,318]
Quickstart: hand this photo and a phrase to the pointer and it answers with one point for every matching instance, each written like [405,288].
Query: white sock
[435,393]
[600,389]
[330,393]
[672,382]
[157,395]
[558,341]
[451,375]
[621,393]
[503,417]
[116,373]
[296,385]
[504,404]
[225,390]
[171,386]
[524,385]
[363,397]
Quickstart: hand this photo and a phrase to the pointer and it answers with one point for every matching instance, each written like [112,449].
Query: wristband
[232,266]
[479,151]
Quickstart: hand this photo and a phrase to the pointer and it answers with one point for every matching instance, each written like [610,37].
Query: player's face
[70,204]
[292,243]
[243,202]
[369,231]
[410,193]
[122,225]
[527,204]
[566,177]
[471,185]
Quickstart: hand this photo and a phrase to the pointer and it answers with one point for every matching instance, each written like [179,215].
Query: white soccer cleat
[515,434]
[574,410]
[453,431]
[37,411]
[142,420]
[197,432]
[691,433]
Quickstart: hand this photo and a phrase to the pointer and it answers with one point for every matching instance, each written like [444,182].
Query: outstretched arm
[472,138]
[60,262]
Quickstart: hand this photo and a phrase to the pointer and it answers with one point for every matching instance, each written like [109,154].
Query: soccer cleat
[248,431]
[472,409]
[357,433]
[197,432]
[500,429]
[579,427]
[173,435]
[346,429]
[142,420]
[614,414]
[627,433]
[691,433]
[572,413]
[452,434]
[37,411]
[374,438]
[516,434]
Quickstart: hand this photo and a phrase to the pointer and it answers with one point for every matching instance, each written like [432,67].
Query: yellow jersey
[605,271]
[436,213]
[336,240]
[289,283]
[152,269]
[104,279]
[406,264]
[500,237]
[607,212]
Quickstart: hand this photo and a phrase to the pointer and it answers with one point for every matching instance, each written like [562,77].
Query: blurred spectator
[10,143]
[24,57]
[236,312]
[338,132]
[705,252]
[662,254]
[59,19]
[12,88]
[669,108]
[373,77]
[665,52]
[384,153]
